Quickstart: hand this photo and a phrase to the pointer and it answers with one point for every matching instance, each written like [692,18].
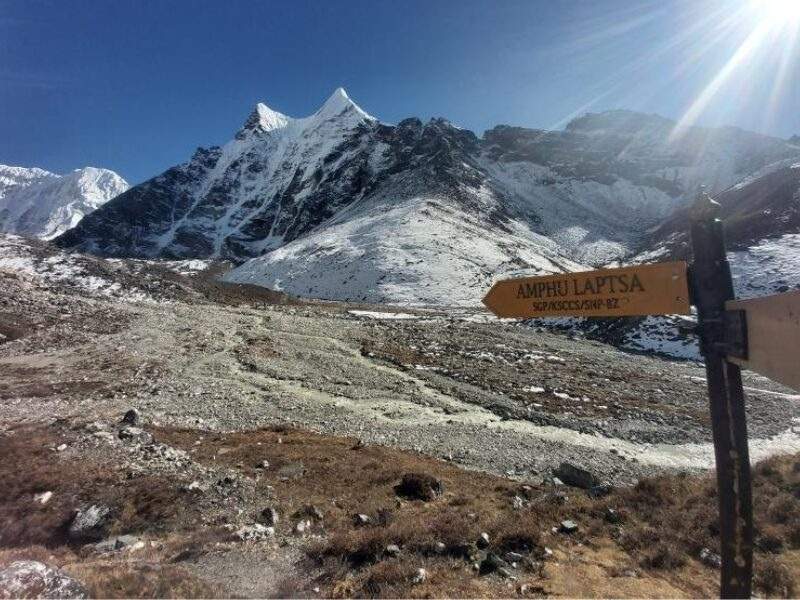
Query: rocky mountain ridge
[338,205]
[35,202]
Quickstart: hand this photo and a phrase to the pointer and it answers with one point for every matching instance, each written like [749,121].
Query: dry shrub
[388,579]
[773,578]
[141,581]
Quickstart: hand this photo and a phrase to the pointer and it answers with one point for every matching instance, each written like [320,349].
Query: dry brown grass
[140,580]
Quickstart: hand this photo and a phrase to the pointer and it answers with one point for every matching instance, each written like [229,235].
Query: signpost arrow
[653,289]
[773,336]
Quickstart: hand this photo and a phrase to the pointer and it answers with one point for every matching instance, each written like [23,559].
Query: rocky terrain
[170,434]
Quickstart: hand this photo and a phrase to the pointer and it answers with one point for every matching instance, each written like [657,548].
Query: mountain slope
[339,205]
[38,203]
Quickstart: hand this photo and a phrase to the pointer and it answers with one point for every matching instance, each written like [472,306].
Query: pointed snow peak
[263,118]
[339,102]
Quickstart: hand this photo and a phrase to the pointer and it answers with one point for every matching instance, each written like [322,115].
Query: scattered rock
[269,516]
[264,464]
[61,447]
[576,476]
[33,579]
[117,543]
[439,548]
[361,520]
[291,470]
[419,486]
[513,557]
[42,498]
[612,516]
[483,541]
[491,563]
[506,573]
[518,503]
[195,486]
[598,491]
[255,532]
[711,559]
[420,576]
[135,435]
[311,511]
[89,524]
[568,526]
[392,550]
[131,417]
[301,527]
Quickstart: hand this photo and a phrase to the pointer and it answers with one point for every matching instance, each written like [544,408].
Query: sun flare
[777,13]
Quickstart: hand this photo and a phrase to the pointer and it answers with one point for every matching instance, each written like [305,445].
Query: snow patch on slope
[416,252]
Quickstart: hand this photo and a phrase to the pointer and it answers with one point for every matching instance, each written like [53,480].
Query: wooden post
[712,286]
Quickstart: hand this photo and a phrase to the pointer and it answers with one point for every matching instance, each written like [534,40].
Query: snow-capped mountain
[35,202]
[339,205]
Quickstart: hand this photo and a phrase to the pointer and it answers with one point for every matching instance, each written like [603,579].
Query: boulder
[89,524]
[576,476]
[419,486]
[131,417]
[33,579]
[491,563]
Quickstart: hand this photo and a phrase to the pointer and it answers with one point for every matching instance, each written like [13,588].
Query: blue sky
[136,86]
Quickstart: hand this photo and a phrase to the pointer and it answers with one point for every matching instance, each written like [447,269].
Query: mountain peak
[263,118]
[337,103]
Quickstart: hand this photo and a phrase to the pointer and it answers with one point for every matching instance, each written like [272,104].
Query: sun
[777,13]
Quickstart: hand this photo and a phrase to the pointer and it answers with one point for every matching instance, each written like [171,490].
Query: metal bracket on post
[735,322]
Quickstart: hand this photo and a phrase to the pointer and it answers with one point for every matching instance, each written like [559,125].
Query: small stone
[420,576]
[311,511]
[264,464]
[269,516]
[392,550]
[557,481]
[483,541]
[61,447]
[711,559]
[598,491]
[255,532]
[42,498]
[135,435]
[513,557]
[505,573]
[131,417]
[523,589]
[361,520]
[518,503]
[568,526]
[194,487]
[612,516]
[117,543]
[439,548]
[301,527]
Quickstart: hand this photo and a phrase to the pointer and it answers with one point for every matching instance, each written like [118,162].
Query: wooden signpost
[762,334]
[655,289]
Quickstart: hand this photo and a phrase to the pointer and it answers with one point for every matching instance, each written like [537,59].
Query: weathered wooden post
[719,331]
